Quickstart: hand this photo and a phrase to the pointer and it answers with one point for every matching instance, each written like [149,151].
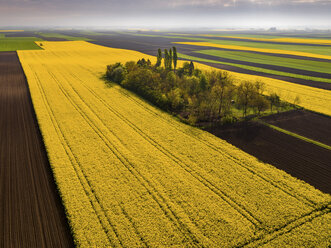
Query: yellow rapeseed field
[264,50]
[130,175]
[10,31]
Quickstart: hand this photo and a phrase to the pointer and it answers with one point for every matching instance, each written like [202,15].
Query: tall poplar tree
[159,58]
[166,58]
[175,57]
[170,59]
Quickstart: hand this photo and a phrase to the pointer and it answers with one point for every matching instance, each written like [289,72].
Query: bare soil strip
[305,123]
[31,212]
[299,158]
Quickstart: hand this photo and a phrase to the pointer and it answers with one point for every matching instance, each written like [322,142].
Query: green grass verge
[323,67]
[18,43]
[257,69]
[295,135]
[63,36]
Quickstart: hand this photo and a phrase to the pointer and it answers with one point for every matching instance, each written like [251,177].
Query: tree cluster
[190,93]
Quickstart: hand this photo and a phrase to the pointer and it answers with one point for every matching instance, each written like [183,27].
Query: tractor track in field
[31,211]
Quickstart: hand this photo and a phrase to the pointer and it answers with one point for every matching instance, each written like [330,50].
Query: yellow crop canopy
[9,31]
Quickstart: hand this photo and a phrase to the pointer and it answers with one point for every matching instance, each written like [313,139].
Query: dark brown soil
[31,211]
[301,159]
[305,123]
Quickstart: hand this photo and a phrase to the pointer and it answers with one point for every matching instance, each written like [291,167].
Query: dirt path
[31,213]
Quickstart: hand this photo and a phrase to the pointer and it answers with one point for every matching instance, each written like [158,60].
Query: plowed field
[31,212]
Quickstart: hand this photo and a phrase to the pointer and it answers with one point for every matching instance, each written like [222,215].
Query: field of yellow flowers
[132,176]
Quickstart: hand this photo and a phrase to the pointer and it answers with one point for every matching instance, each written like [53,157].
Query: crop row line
[150,188]
[288,227]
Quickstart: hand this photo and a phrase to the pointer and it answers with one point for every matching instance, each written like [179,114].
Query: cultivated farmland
[18,43]
[31,211]
[131,175]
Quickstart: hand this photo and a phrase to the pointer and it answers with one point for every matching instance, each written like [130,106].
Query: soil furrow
[31,211]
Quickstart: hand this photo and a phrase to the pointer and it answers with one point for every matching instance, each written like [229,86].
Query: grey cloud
[161,11]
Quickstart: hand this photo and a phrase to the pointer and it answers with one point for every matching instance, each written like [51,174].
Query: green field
[62,36]
[323,67]
[257,69]
[18,43]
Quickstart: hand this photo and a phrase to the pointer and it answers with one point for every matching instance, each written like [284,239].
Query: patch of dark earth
[299,158]
[305,123]
[31,210]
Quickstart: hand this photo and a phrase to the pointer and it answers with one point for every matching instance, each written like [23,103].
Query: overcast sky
[171,13]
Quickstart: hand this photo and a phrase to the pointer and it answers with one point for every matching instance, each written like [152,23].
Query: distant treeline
[194,95]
